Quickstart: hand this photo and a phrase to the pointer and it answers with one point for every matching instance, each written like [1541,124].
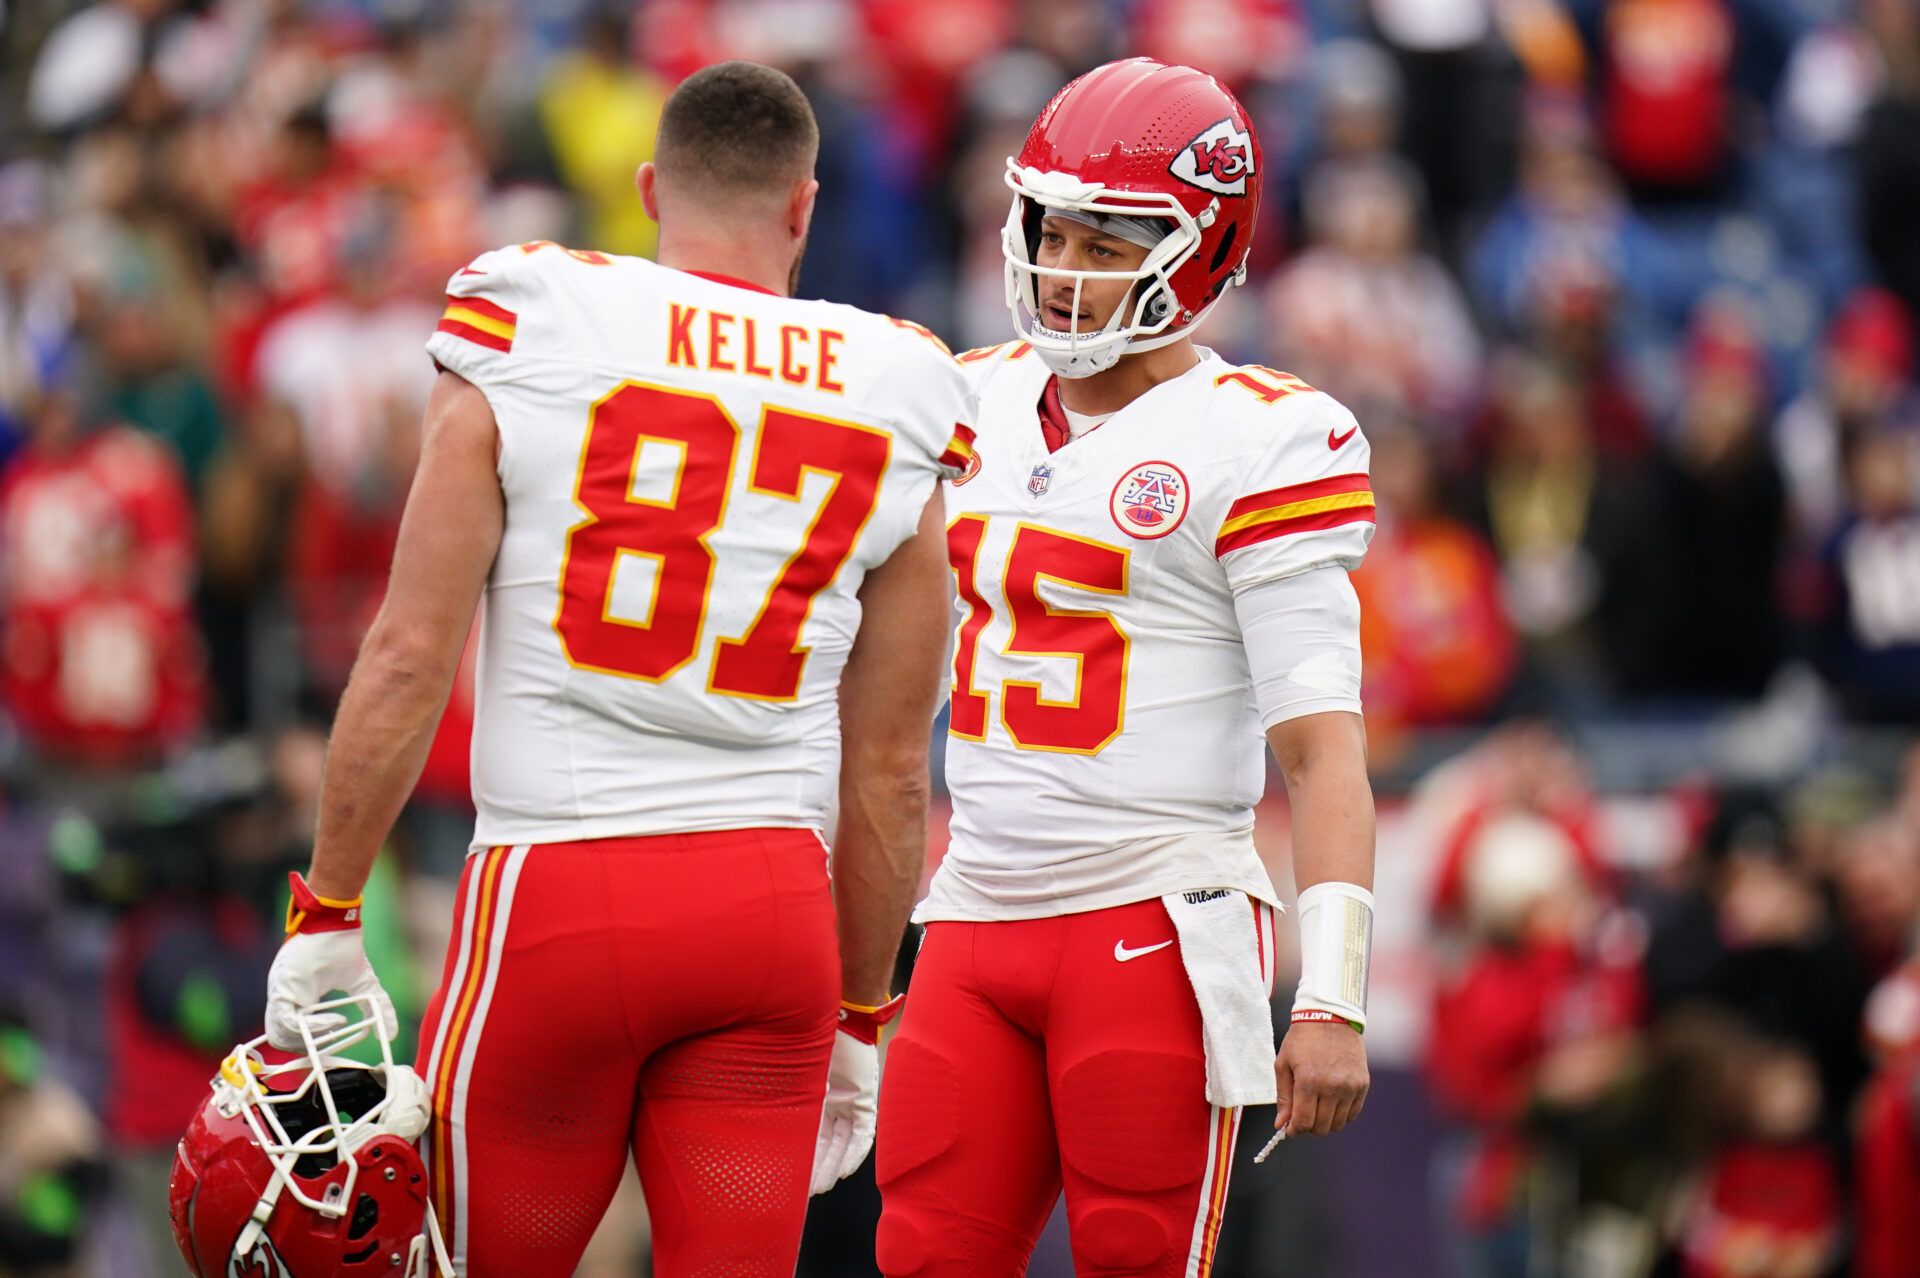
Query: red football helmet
[307,1169]
[1128,146]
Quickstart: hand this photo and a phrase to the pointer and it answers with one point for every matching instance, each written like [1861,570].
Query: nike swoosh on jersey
[1122,954]
[1336,441]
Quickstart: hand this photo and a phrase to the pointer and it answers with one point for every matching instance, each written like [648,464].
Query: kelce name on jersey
[725,343]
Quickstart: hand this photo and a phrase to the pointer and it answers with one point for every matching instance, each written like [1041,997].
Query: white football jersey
[1105,744]
[698,476]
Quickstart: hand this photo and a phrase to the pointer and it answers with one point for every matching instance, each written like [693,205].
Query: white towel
[1226,943]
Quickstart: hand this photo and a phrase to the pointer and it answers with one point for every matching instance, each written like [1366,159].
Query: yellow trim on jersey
[474,319]
[1294,510]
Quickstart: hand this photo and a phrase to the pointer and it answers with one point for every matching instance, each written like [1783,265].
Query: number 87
[766,662]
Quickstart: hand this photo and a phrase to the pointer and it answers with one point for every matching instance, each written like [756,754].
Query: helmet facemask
[334,1106]
[1149,317]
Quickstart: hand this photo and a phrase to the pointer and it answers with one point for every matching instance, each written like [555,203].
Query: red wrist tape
[309,913]
[1318,1014]
[865,1023]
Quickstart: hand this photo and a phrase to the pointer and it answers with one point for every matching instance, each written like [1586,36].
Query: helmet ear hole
[1226,247]
[1158,306]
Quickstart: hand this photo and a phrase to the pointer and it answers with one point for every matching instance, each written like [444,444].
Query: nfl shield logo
[1040,480]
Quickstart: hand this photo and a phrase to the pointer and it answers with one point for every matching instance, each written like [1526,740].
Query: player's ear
[800,208]
[649,196]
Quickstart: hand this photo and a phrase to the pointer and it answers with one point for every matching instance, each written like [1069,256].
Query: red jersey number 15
[1091,639]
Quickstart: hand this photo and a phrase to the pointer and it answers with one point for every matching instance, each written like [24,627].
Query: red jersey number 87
[767,661]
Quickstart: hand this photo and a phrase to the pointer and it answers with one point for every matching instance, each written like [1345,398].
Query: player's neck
[1128,380]
[736,258]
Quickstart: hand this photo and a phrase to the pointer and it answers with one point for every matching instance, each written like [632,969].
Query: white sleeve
[1302,636]
[1305,500]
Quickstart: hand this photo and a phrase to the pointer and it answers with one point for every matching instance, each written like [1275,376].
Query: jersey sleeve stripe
[959,453]
[1295,509]
[479,321]
[1355,508]
[481,306]
[979,353]
[478,336]
[1275,497]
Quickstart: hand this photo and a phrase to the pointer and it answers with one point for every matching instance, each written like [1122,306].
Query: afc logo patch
[1040,480]
[1150,500]
[1220,159]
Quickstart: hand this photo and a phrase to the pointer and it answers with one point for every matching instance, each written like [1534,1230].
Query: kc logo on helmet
[262,1262]
[1150,500]
[1220,159]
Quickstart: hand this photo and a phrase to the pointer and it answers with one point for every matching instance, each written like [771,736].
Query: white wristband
[1336,932]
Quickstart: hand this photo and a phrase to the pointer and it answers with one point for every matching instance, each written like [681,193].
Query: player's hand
[323,952]
[853,1102]
[1321,1076]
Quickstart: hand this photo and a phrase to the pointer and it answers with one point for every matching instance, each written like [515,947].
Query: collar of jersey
[731,282]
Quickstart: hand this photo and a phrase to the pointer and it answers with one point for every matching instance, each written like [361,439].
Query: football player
[1152,555]
[702,523]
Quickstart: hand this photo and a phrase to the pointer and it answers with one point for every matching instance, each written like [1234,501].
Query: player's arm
[1322,1067]
[448,536]
[889,694]
[1302,635]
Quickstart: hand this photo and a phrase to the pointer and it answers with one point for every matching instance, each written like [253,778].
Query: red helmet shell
[1143,127]
[220,1171]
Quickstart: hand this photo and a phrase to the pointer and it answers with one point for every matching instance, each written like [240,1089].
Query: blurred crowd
[1623,291]
[1706,1065]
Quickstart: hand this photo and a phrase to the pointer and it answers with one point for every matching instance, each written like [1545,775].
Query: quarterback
[702,523]
[1151,552]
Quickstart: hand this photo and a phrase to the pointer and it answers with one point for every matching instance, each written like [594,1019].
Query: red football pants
[1050,1053]
[674,996]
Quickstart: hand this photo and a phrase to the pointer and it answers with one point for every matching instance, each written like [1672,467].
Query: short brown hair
[738,126]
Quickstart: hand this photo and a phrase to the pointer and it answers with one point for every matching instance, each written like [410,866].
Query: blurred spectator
[36,298]
[1538,1015]
[1461,84]
[224,225]
[153,383]
[1523,769]
[1363,314]
[1570,315]
[359,439]
[1711,594]
[1435,641]
[600,113]
[1873,627]
[1769,1202]
[49,1161]
[1569,526]
[1664,103]
[1886,1164]
[1564,220]
[1753,936]
[102,659]
[1889,150]
[1866,370]
[101,61]
[1877,876]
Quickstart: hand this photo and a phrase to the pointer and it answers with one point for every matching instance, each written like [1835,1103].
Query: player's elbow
[399,658]
[893,773]
[1320,747]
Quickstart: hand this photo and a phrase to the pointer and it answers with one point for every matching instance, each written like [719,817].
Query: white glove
[309,966]
[853,1103]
